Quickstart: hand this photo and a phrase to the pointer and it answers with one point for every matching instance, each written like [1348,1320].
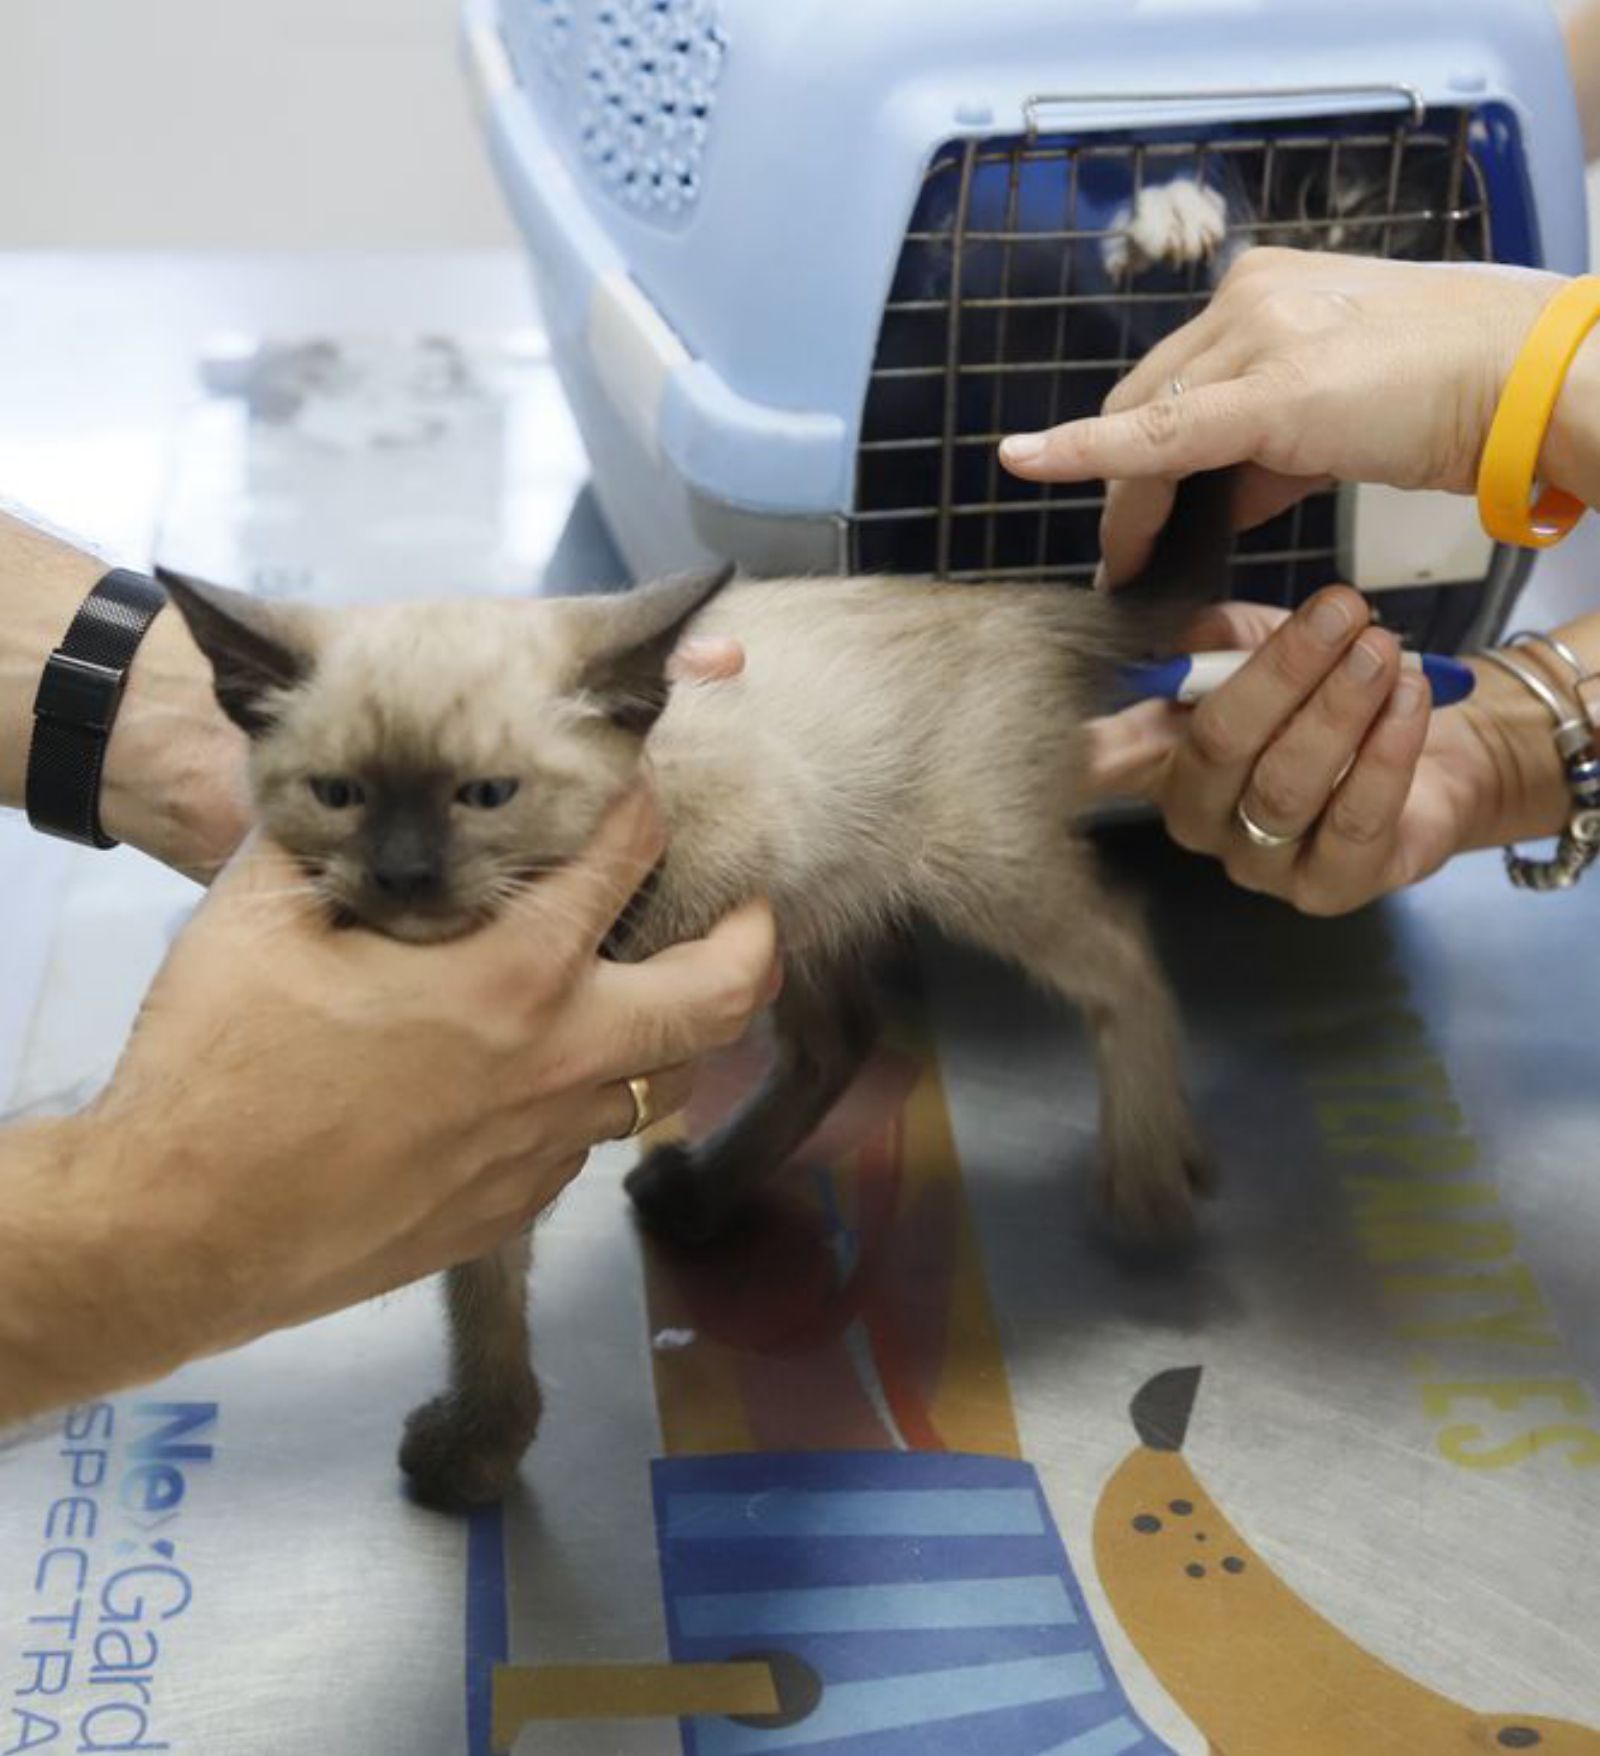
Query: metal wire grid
[1004,316]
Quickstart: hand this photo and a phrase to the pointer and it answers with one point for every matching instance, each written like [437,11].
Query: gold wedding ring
[644,1112]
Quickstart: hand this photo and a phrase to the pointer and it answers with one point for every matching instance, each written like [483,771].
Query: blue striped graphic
[940,1603]
[926,1512]
[1116,1738]
[929,1594]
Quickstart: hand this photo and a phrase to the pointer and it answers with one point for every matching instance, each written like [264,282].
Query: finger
[1229,730]
[1260,494]
[263,894]
[523,1190]
[705,659]
[1233,627]
[1352,858]
[680,1003]
[1187,355]
[667,1093]
[1135,511]
[259,869]
[561,919]
[1295,779]
[1128,753]
[1209,428]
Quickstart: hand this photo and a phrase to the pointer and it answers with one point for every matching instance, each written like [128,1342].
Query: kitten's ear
[257,650]
[627,640]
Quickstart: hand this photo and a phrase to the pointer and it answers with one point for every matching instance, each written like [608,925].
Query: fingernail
[1023,448]
[1365,662]
[1329,620]
[1100,580]
[1409,694]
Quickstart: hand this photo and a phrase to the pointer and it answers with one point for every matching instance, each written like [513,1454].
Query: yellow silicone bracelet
[1517,435]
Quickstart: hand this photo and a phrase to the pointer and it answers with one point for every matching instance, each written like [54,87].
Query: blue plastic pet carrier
[804,263]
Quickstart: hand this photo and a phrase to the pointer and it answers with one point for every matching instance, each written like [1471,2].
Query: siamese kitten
[895,748]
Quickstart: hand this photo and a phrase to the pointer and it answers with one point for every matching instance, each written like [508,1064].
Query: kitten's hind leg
[825,1030]
[1091,948]
[463,1448]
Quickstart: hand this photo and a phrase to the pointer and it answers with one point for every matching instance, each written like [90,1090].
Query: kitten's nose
[407,878]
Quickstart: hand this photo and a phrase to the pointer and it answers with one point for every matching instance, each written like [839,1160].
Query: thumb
[1129,752]
[266,877]
[563,917]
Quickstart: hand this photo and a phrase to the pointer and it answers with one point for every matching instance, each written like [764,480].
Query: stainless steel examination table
[920,1464]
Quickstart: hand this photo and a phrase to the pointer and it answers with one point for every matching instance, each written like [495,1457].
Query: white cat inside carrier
[804,266]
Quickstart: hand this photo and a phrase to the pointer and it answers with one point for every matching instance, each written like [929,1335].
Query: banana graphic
[1253,1665]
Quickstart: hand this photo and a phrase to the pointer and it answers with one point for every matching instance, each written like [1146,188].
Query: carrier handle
[1408,95]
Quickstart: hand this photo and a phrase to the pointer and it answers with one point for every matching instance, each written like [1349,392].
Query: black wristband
[76,706]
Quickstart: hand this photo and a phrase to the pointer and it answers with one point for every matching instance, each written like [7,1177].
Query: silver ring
[1178,387]
[644,1112]
[1259,837]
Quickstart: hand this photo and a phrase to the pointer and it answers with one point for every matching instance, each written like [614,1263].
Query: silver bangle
[1554,643]
[1579,843]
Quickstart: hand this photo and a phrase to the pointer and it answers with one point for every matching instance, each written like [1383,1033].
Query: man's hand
[305,1117]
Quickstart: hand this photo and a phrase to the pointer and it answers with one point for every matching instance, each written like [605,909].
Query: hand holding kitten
[305,1118]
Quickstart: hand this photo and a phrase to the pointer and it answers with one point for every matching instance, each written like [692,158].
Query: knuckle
[1316,897]
[1284,661]
[1255,263]
[1159,423]
[1277,800]
[1358,823]
[734,1000]
[1214,738]
[1192,834]
[1243,872]
[1195,836]
[1281,311]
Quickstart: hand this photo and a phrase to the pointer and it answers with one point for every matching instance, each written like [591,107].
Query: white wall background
[243,124]
[250,124]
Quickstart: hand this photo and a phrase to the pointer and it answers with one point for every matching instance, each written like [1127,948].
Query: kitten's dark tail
[1187,570]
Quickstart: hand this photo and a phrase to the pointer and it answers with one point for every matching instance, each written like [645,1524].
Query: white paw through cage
[1024,292]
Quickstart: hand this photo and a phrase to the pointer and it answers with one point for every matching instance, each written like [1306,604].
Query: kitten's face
[424,762]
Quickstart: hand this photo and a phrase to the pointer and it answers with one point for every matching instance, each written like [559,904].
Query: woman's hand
[1311,365]
[1323,738]
[306,1117]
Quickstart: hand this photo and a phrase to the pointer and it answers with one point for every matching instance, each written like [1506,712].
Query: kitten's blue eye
[337,793]
[488,795]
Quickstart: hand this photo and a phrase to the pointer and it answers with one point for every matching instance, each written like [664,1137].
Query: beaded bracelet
[1579,843]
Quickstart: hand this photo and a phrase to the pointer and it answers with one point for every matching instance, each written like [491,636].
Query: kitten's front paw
[669,1193]
[455,1457]
[1176,223]
[1150,1201]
